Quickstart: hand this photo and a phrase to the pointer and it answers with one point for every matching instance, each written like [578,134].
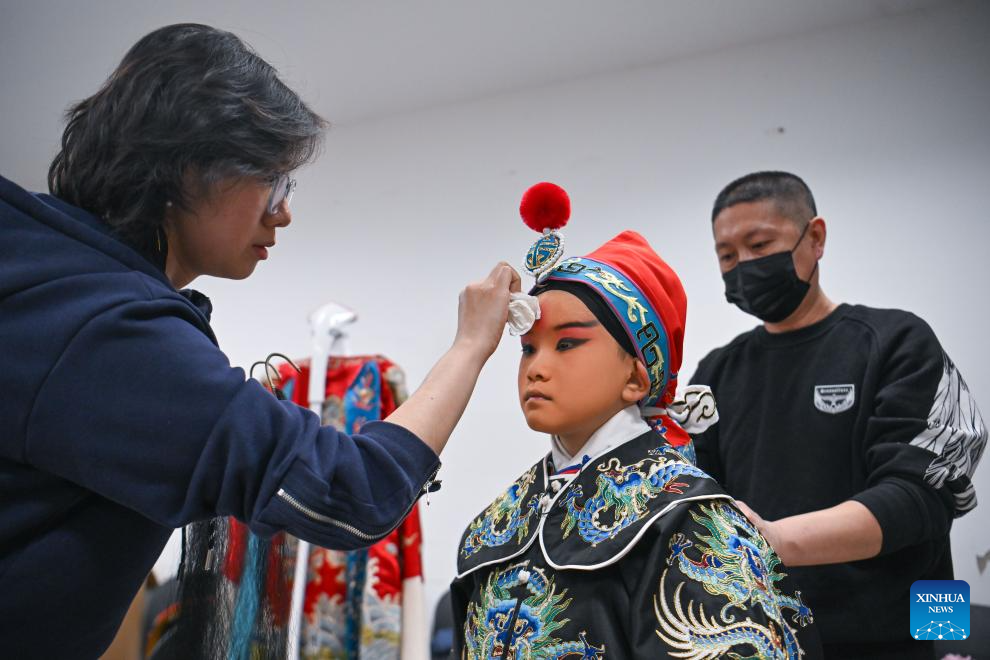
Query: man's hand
[765,527]
[842,533]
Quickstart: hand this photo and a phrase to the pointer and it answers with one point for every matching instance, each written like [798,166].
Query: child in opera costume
[614,545]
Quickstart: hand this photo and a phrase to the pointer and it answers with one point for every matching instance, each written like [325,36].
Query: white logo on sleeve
[834,399]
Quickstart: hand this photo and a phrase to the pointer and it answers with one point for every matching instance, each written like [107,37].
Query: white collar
[622,427]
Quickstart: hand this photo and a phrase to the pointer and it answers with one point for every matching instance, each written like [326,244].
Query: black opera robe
[641,555]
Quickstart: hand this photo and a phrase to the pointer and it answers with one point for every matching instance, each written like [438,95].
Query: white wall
[886,121]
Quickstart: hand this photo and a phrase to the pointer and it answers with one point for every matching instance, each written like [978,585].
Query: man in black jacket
[846,431]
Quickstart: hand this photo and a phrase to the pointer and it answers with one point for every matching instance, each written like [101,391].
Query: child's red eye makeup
[576,333]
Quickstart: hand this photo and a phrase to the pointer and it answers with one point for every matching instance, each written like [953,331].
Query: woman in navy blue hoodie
[122,419]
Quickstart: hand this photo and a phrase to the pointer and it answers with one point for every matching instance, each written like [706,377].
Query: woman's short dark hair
[187,106]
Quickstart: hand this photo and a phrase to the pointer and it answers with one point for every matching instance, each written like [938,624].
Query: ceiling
[354,60]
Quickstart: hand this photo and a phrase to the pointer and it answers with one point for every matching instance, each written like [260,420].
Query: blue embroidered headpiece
[634,311]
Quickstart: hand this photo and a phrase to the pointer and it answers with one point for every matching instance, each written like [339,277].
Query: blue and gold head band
[634,311]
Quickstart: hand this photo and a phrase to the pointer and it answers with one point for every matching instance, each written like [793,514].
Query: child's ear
[638,384]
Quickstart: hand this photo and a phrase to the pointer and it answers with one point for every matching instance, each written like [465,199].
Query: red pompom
[545,206]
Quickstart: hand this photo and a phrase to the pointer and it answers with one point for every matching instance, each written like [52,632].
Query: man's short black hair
[788,191]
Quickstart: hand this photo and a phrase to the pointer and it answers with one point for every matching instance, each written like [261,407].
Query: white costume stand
[327,334]
[328,337]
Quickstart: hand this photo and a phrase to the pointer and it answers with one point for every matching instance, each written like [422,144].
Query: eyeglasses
[282,188]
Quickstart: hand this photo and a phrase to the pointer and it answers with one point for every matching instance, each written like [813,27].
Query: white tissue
[524,311]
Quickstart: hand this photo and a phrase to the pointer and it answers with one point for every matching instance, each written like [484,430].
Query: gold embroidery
[635,310]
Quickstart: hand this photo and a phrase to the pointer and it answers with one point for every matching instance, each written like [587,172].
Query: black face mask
[769,287]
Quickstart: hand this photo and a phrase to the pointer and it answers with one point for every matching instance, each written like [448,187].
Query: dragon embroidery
[635,311]
[525,626]
[623,494]
[503,518]
[738,564]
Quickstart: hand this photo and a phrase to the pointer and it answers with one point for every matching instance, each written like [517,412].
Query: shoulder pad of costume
[507,526]
[617,499]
